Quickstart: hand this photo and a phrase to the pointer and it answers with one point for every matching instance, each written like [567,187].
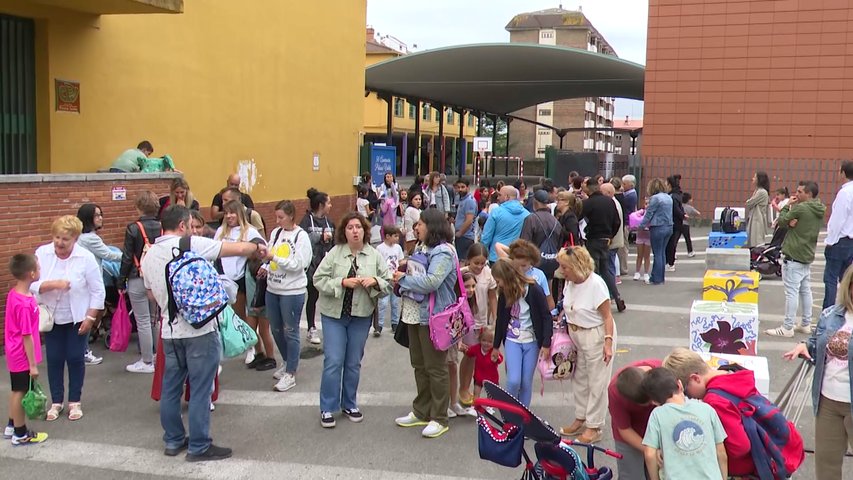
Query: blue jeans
[195,359]
[64,346]
[521,360]
[659,237]
[343,349]
[613,257]
[284,312]
[837,260]
[394,300]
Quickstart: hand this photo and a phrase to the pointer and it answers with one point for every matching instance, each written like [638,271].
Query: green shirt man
[132,160]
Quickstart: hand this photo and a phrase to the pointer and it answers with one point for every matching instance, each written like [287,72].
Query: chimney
[371,34]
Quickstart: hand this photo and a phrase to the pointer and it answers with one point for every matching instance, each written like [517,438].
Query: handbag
[504,446]
[237,336]
[564,355]
[120,327]
[45,318]
[401,334]
[448,327]
[35,401]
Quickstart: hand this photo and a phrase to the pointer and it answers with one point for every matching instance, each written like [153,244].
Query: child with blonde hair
[486,360]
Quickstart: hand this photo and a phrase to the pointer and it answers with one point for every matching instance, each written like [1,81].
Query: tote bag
[120,326]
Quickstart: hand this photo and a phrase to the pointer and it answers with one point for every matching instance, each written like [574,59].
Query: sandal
[74,411]
[54,411]
[574,429]
[591,435]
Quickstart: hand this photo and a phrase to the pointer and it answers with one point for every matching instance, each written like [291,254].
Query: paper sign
[119,194]
[67,96]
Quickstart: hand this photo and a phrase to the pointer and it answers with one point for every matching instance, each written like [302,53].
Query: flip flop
[54,411]
[74,411]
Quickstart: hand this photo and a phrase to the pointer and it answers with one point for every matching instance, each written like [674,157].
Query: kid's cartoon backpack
[194,288]
[561,364]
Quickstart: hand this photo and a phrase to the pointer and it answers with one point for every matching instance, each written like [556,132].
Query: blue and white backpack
[195,289]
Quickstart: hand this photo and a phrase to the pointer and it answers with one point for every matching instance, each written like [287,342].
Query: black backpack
[729,220]
[549,248]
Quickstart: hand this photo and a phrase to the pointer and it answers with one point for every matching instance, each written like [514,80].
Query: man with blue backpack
[179,274]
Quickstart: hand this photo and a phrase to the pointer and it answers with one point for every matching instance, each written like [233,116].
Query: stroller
[766,259]
[501,440]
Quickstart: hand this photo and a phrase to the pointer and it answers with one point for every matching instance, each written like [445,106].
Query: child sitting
[688,432]
[486,360]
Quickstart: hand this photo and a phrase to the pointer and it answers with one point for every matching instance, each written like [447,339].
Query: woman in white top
[289,256]
[410,219]
[586,304]
[72,287]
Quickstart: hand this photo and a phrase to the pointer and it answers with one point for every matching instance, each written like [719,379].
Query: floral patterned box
[758,365]
[730,286]
[724,327]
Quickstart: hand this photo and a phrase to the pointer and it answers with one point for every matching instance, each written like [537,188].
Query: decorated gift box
[730,286]
[724,327]
[758,365]
[727,240]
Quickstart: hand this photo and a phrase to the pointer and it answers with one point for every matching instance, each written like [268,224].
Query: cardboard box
[730,286]
[727,240]
[758,365]
[724,327]
[736,259]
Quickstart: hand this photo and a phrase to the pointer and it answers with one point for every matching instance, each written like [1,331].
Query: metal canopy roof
[505,77]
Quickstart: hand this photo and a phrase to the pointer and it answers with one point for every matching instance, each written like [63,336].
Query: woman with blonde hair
[658,218]
[179,194]
[586,304]
[71,287]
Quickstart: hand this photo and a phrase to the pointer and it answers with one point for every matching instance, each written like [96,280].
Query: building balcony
[108,7]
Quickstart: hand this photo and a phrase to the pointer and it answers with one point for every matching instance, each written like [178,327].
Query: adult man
[602,225]
[629,206]
[540,227]
[803,215]
[839,236]
[191,353]
[233,181]
[618,241]
[133,159]
[505,222]
[466,211]
[232,194]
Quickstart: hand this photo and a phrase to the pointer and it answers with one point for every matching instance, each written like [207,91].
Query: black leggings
[673,244]
[311,303]
[685,230]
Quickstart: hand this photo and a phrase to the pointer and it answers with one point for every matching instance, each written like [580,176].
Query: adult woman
[92,218]
[438,280]
[410,219]
[436,195]
[72,288]
[591,327]
[756,210]
[179,194]
[289,256]
[567,211]
[349,279]
[658,219]
[523,326]
[321,231]
[831,348]
[236,228]
[673,183]
[144,231]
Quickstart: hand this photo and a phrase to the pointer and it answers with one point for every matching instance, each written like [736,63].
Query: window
[544,112]
[413,110]
[618,138]
[544,132]
[437,116]
[450,117]
[540,151]
[398,107]
[470,120]
[425,112]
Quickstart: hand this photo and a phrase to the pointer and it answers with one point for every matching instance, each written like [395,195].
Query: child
[484,307]
[392,253]
[630,408]
[525,256]
[689,214]
[486,360]
[685,430]
[362,204]
[23,345]
[644,248]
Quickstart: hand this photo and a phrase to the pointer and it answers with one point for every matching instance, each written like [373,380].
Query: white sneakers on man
[250,356]
[90,359]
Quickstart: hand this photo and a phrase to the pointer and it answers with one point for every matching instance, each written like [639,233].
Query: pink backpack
[561,364]
[448,327]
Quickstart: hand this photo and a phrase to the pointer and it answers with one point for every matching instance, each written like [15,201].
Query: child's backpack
[775,444]
[194,288]
[729,220]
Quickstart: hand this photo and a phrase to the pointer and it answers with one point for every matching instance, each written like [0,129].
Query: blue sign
[382,160]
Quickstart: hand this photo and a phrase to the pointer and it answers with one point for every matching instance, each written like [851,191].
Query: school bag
[548,249]
[237,336]
[775,444]
[194,287]
[729,221]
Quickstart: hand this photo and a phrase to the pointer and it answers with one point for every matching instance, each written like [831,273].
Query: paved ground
[277,435]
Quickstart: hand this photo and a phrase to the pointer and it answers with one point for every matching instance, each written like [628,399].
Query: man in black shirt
[602,224]
[216,213]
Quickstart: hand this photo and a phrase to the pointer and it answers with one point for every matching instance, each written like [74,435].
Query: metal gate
[17,95]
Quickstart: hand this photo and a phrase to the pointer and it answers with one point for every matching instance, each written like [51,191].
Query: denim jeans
[795,277]
[659,237]
[195,360]
[521,360]
[344,339]
[463,244]
[394,301]
[672,244]
[284,312]
[65,346]
[837,260]
[614,262]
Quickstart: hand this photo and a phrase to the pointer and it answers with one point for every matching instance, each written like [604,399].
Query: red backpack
[775,444]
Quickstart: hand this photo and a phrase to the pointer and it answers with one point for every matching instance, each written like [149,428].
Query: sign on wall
[67,96]
[383,159]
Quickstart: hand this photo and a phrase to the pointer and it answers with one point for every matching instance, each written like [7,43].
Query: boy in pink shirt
[23,346]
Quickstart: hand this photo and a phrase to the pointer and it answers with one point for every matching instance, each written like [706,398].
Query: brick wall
[32,202]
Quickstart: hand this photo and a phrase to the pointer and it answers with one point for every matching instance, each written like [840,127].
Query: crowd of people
[531,263]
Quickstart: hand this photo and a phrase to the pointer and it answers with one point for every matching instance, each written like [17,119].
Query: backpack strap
[144,239]
[461,287]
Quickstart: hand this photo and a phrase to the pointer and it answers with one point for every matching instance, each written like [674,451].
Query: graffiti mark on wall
[248,171]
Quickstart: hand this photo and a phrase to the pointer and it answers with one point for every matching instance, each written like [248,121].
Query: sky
[424,25]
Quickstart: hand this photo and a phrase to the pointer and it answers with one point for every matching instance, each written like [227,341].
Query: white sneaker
[219,370]
[637,277]
[461,411]
[140,367]
[91,359]
[410,420]
[451,413]
[212,406]
[691,254]
[279,373]
[8,432]
[250,356]
[287,382]
[780,332]
[670,268]
[803,329]
[618,280]
[434,430]
[313,336]
[647,278]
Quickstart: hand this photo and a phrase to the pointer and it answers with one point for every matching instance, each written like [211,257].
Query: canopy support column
[441,138]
